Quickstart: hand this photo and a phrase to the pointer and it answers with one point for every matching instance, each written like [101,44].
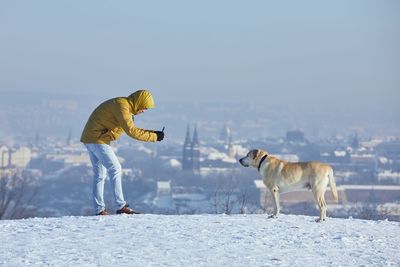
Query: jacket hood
[141,99]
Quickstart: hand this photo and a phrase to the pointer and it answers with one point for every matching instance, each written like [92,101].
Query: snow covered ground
[198,240]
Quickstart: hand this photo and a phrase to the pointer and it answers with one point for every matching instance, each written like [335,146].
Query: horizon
[247,120]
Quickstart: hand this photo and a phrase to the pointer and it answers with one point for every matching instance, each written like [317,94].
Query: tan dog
[281,176]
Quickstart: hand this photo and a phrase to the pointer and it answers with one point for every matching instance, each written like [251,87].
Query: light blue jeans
[104,161]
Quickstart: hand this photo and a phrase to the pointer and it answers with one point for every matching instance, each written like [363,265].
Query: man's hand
[160,134]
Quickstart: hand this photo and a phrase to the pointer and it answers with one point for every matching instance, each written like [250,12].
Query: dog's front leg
[275,198]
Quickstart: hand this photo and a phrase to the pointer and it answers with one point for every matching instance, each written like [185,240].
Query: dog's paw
[272,216]
[319,220]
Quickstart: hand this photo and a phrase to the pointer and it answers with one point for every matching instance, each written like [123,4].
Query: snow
[345,174]
[206,171]
[221,156]
[383,160]
[370,187]
[214,154]
[164,185]
[173,164]
[241,151]
[340,153]
[198,240]
[388,173]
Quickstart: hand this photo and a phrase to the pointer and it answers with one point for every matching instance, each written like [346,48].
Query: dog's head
[253,158]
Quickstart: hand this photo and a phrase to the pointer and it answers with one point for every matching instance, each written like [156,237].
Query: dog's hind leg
[318,188]
[275,198]
[322,207]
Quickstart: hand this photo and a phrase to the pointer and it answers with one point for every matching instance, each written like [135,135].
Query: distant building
[36,140]
[389,155]
[21,157]
[371,193]
[355,142]
[196,151]
[191,152]
[69,138]
[5,157]
[15,157]
[225,134]
[164,199]
[187,152]
[388,176]
[363,159]
[231,149]
[337,156]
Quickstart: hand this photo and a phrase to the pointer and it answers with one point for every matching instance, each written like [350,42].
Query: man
[106,124]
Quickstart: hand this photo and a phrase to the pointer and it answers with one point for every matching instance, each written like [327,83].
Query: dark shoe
[103,212]
[127,210]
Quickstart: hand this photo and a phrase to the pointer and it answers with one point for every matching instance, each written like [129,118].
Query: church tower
[196,151]
[355,143]
[69,138]
[231,149]
[187,152]
[225,134]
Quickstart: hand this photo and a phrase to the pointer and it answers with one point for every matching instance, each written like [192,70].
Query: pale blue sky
[281,52]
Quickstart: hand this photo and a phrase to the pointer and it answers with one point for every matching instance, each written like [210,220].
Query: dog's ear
[250,154]
[255,153]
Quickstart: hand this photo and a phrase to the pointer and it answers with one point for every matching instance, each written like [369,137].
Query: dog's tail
[332,184]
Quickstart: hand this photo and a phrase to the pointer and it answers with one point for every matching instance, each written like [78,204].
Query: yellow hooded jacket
[114,116]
